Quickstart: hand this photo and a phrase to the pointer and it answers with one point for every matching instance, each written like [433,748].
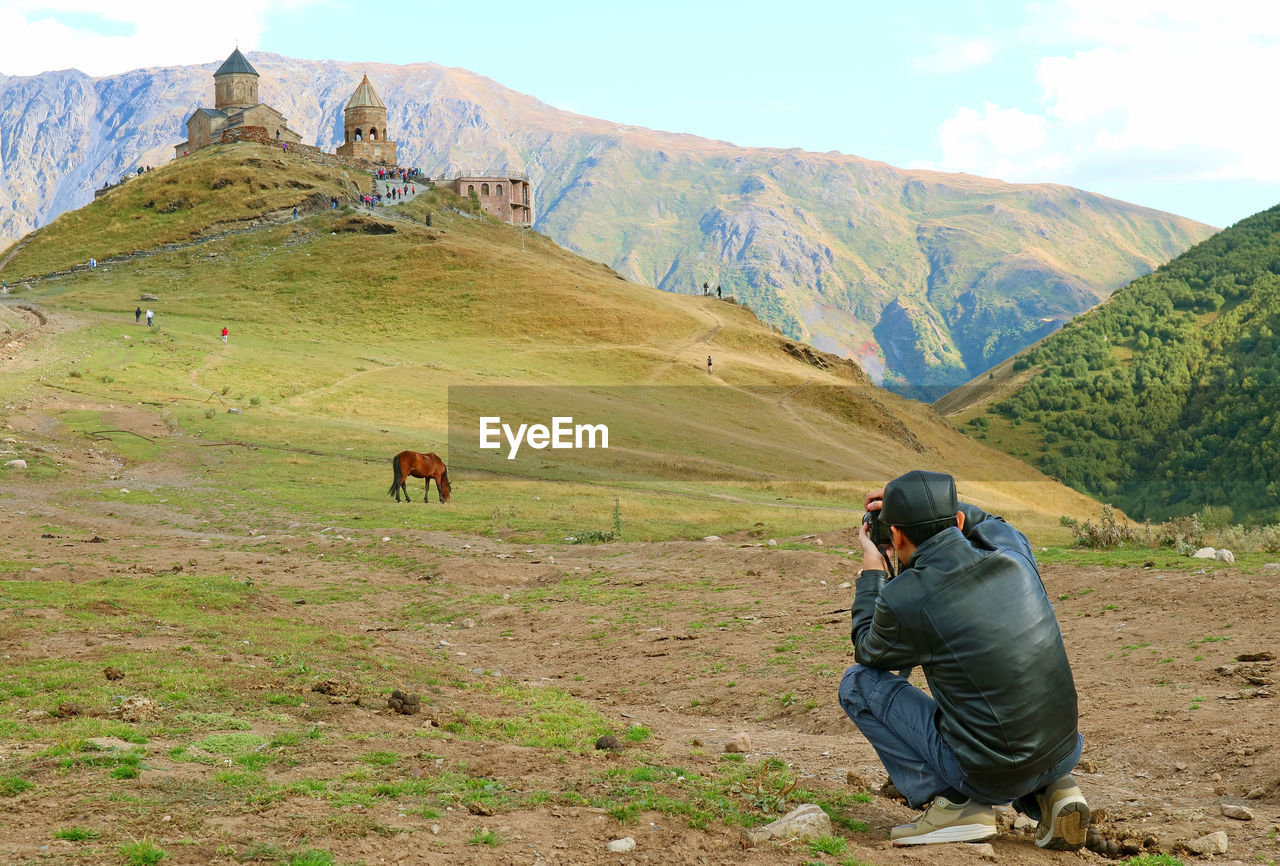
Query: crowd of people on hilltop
[402,174]
[406,185]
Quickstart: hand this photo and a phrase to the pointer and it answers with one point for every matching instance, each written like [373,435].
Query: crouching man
[969,608]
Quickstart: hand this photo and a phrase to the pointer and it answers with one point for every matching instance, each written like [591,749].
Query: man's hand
[874,500]
[872,558]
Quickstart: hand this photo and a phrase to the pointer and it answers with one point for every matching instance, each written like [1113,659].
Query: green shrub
[485,837]
[1108,532]
[637,734]
[11,786]
[1254,539]
[311,857]
[826,845]
[590,536]
[1152,860]
[144,853]
[1216,516]
[1184,534]
[75,834]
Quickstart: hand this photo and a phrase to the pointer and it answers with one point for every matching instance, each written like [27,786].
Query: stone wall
[381,152]
[314,154]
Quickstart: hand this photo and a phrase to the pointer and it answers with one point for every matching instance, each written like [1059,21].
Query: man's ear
[960,520]
[895,534]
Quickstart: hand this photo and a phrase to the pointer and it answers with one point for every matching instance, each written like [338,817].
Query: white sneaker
[944,821]
[1064,816]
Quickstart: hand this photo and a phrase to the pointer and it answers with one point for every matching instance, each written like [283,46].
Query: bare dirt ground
[695,641]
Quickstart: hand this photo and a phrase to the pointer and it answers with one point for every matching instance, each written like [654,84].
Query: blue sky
[1147,101]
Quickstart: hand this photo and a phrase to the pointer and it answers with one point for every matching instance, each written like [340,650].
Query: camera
[877,529]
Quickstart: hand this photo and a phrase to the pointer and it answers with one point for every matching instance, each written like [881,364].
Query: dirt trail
[678,357]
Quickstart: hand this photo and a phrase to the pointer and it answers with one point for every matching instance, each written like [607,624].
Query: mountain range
[925,278]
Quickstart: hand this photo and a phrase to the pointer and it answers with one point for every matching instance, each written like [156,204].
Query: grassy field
[344,347]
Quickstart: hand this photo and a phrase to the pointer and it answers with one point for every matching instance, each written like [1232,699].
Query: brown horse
[411,464]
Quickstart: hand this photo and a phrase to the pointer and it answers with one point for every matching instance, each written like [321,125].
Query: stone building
[235,109]
[364,125]
[507,196]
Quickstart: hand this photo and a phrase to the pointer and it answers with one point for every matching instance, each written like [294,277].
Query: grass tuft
[142,853]
[76,834]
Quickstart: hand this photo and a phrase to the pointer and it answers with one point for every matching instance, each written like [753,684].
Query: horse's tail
[396,478]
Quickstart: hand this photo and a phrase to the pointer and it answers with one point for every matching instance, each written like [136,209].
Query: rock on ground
[739,742]
[808,820]
[1212,843]
[622,846]
[138,709]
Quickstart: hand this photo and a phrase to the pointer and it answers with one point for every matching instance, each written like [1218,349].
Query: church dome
[236,64]
[365,97]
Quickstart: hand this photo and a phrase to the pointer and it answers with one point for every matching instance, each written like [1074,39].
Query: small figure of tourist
[224,334]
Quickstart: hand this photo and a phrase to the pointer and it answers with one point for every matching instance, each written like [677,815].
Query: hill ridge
[817,244]
[499,317]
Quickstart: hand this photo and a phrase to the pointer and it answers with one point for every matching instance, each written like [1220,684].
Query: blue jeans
[900,722]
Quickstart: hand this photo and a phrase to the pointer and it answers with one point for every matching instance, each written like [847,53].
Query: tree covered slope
[1166,398]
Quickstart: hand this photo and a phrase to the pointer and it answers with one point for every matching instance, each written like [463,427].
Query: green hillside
[353,334]
[1164,398]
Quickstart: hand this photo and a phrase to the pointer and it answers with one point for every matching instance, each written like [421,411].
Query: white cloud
[952,55]
[1002,142]
[1165,90]
[100,38]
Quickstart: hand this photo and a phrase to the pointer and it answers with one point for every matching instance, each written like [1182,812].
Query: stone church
[237,115]
[235,106]
[364,125]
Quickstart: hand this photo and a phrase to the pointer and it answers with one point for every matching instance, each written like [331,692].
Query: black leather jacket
[971,611]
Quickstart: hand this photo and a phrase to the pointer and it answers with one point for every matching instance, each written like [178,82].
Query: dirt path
[679,356]
[17,352]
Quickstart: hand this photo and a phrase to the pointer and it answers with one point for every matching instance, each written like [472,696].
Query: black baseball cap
[919,497]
